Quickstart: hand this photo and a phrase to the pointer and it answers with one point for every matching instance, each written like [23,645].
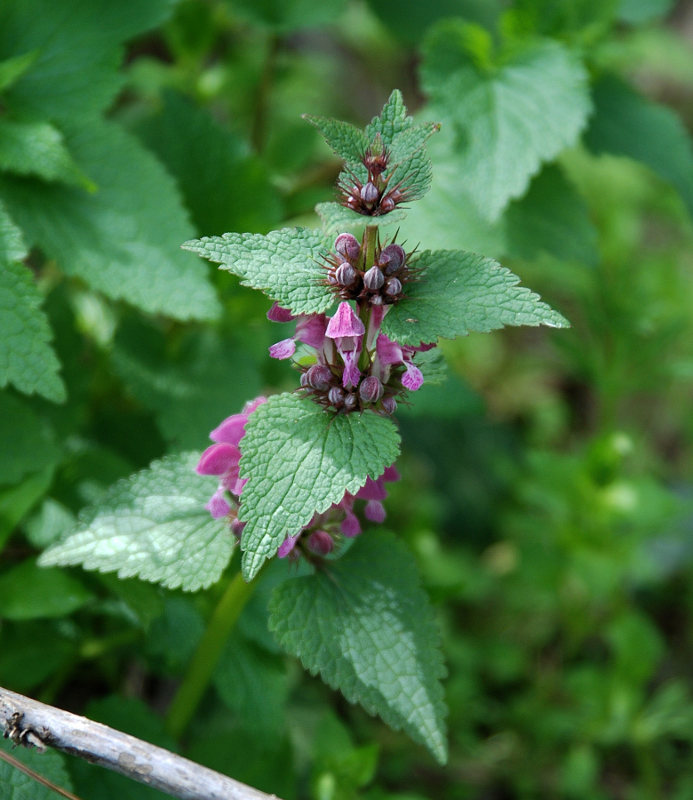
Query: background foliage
[546,488]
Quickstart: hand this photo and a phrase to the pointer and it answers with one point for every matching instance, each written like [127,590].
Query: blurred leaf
[282,17]
[224,186]
[78,46]
[366,626]
[18,786]
[31,652]
[627,124]
[17,501]
[505,121]
[152,525]
[27,360]
[29,592]
[298,460]
[636,12]
[12,247]
[49,523]
[286,265]
[38,148]
[209,378]
[461,292]
[11,69]
[123,240]
[173,637]
[337,218]
[27,443]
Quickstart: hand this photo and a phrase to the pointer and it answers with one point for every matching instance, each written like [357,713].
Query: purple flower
[347,330]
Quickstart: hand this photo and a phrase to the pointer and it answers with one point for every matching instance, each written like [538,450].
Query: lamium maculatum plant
[302,475]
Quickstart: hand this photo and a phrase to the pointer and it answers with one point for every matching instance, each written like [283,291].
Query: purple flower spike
[344,323]
[284,349]
[350,526]
[372,490]
[279,314]
[412,378]
[231,430]
[287,545]
[351,374]
[311,330]
[320,542]
[375,511]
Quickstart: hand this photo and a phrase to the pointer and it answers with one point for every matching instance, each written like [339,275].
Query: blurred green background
[547,484]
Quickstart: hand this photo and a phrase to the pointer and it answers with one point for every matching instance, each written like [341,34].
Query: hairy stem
[207,655]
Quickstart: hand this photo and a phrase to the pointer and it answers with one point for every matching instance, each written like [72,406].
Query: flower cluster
[323,532]
[374,196]
[354,366]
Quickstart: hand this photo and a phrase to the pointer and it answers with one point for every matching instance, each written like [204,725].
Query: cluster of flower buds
[355,366]
[374,196]
[324,532]
[378,282]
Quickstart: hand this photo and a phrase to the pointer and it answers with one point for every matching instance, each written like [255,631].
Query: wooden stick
[31,723]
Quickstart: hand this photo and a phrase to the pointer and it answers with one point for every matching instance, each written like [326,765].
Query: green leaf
[627,124]
[27,442]
[346,141]
[364,623]
[287,265]
[503,123]
[78,45]
[152,525]
[11,69]
[12,247]
[38,148]
[32,652]
[27,360]
[299,460]
[18,500]
[225,186]
[18,786]
[123,239]
[283,17]
[636,12]
[337,218]
[29,592]
[461,292]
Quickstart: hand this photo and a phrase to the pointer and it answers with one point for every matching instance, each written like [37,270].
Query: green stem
[370,239]
[207,655]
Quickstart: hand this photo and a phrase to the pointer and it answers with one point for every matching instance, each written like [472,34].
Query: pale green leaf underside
[38,148]
[504,125]
[364,624]
[27,360]
[122,239]
[153,526]
[299,460]
[287,265]
[461,292]
[625,123]
[337,219]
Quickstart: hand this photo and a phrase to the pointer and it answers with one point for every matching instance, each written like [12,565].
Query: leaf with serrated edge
[336,218]
[364,623]
[299,460]
[287,265]
[461,292]
[27,360]
[152,525]
[346,140]
[503,124]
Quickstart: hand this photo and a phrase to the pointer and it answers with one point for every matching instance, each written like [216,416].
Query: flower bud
[389,404]
[350,402]
[371,389]
[347,245]
[319,377]
[336,396]
[346,275]
[370,193]
[320,542]
[304,380]
[373,279]
[392,258]
[393,287]
[387,204]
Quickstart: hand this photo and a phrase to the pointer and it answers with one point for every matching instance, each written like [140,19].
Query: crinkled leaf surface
[625,123]
[78,51]
[27,360]
[287,265]
[502,123]
[123,239]
[152,525]
[461,292]
[38,148]
[299,460]
[365,625]
[337,219]
[18,786]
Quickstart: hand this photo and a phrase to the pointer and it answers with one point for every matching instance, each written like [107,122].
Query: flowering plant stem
[206,657]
